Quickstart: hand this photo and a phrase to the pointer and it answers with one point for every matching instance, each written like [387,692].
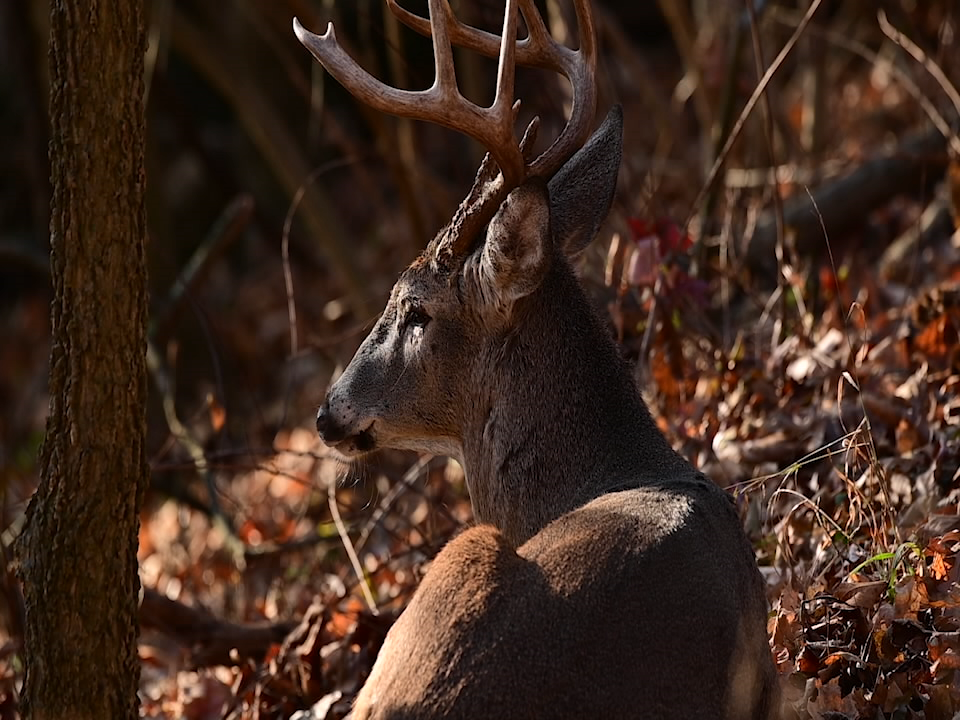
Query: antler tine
[444,74]
[507,65]
[580,70]
[468,37]
[539,50]
[442,103]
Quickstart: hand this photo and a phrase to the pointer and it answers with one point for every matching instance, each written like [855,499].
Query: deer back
[629,607]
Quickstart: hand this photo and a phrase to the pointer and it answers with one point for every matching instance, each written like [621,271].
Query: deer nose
[327,427]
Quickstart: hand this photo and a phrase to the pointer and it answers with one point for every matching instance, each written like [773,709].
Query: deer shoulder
[621,608]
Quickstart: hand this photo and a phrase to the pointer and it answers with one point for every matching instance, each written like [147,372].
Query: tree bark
[78,550]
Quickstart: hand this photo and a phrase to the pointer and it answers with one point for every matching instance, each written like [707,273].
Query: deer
[604,575]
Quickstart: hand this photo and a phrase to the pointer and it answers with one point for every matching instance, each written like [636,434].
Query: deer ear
[582,190]
[516,252]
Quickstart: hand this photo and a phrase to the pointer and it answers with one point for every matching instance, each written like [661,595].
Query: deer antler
[537,50]
[442,103]
[493,126]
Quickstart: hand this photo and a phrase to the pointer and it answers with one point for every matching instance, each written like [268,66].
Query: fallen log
[844,202]
[207,639]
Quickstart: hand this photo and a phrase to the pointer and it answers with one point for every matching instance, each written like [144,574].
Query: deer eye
[415,317]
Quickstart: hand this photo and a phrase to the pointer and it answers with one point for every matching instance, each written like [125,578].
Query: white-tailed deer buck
[606,578]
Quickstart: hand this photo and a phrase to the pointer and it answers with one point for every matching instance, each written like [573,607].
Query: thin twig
[12,588]
[348,546]
[814,88]
[904,80]
[726,235]
[651,322]
[267,130]
[228,227]
[777,199]
[748,108]
[929,65]
[288,274]
[871,446]
[720,132]
[684,37]
[409,478]
[184,437]
[803,500]
[822,452]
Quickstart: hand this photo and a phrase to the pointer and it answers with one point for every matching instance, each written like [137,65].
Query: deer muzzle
[345,439]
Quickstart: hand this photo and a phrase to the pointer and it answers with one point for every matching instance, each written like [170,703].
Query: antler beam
[538,50]
[442,102]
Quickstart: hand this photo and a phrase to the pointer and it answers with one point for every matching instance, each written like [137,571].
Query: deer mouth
[354,446]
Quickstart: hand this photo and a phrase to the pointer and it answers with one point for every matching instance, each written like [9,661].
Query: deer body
[607,577]
[631,606]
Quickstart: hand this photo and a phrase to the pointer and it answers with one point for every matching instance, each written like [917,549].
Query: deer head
[432,372]
[435,346]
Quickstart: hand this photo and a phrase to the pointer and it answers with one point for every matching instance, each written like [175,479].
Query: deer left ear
[582,190]
[516,252]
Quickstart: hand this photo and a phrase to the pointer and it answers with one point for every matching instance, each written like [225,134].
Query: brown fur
[608,578]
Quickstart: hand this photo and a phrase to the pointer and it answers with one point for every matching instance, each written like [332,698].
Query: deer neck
[561,421]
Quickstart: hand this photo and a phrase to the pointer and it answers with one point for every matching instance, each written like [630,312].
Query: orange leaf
[938,566]
[218,414]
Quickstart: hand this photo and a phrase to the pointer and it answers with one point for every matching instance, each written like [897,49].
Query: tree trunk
[78,549]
